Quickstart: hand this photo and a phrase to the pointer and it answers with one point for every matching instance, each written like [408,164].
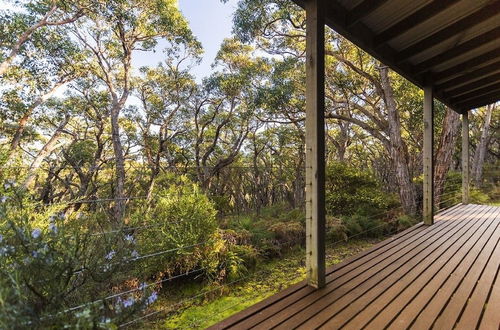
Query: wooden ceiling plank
[459,50]
[476,93]
[362,10]
[454,29]
[469,64]
[475,85]
[470,76]
[482,101]
[363,37]
[421,15]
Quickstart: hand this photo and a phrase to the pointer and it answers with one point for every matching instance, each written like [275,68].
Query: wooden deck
[442,276]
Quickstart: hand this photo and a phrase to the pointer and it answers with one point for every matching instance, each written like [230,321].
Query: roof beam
[467,77]
[479,102]
[362,10]
[459,50]
[474,85]
[472,63]
[454,29]
[421,15]
[476,93]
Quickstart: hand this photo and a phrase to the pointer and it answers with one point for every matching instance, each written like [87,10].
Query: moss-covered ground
[215,303]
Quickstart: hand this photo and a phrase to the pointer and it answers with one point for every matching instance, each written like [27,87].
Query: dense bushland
[119,182]
[61,266]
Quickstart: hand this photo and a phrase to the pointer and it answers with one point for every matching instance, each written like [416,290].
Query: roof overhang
[451,45]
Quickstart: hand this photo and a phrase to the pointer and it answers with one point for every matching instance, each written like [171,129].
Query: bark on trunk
[480,153]
[119,208]
[444,154]
[44,152]
[397,147]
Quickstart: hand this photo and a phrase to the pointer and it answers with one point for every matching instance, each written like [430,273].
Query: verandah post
[315,143]
[428,157]
[465,158]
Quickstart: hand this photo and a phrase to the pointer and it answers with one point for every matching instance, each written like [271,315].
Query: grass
[221,302]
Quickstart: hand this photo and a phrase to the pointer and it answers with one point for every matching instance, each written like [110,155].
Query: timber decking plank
[491,316]
[487,263]
[420,291]
[381,282]
[472,314]
[447,272]
[389,287]
[302,286]
[284,304]
[320,299]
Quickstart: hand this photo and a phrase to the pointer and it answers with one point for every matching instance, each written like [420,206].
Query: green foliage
[336,231]
[50,263]
[81,152]
[182,220]
[360,225]
[272,277]
[350,190]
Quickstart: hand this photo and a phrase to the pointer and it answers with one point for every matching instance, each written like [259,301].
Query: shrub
[288,233]
[335,230]
[405,221]
[182,225]
[350,190]
[362,226]
[52,262]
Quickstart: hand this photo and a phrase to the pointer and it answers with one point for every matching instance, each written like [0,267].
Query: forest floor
[220,302]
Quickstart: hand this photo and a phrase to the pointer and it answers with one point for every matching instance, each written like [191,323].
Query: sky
[211,21]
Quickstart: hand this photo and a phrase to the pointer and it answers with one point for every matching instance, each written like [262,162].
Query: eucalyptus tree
[114,34]
[164,93]
[482,147]
[24,28]
[361,92]
[38,58]
[223,109]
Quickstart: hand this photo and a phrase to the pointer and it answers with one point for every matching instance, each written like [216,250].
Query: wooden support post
[465,158]
[428,161]
[315,143]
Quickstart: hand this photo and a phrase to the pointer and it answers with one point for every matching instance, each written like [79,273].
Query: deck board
[440,276]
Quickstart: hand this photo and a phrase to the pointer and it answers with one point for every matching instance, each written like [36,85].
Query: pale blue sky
[211,21]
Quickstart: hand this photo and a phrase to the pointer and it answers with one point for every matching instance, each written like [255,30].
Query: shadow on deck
[441,276]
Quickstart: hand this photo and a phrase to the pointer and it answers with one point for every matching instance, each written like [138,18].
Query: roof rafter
[476,62]
[472,63]
[479,102]
[476,93]
[454,29]
[474,85]
[470,76]
[459,50]
[408,22]
[362,10]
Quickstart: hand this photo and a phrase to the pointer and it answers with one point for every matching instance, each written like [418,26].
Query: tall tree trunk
[119,208]
[444,153]
[480,153]
[397,147]
[44,152]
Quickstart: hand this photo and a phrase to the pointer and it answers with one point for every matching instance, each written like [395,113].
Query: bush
[405,221]
[335,230]
[362,226]
[181,227]
[52,262]
[350,190]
